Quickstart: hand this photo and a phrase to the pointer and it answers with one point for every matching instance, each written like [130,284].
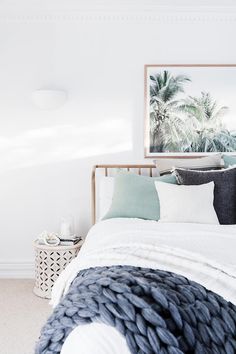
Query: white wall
[98,57]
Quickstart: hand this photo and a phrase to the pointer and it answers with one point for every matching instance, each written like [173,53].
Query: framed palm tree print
[190,109]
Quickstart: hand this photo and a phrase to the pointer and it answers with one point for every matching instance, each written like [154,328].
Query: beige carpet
[22,315]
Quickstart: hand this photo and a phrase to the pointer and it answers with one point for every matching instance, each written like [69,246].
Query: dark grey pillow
[224,192]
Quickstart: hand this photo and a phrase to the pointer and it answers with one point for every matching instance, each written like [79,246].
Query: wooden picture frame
[190,109]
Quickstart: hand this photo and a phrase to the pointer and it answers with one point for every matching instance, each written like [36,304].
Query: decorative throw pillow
[166,165]
[196,202]
[229,160]
[224,192]
[136,197]
[105,187]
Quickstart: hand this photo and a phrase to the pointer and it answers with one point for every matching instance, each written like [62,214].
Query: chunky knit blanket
[156,311]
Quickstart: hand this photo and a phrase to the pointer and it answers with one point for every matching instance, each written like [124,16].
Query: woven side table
[50,261]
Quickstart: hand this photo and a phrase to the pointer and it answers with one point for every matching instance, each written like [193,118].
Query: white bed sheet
[203,253]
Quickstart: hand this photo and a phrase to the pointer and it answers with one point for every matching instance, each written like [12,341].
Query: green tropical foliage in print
[181,123]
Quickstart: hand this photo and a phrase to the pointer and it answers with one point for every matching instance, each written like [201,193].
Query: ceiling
[115,5]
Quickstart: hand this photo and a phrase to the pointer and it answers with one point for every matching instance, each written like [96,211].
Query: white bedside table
[50,261]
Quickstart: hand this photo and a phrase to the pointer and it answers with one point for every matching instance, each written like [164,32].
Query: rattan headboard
[107,169]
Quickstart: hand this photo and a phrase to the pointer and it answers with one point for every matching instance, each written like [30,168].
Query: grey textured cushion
[224,193]
[211,162]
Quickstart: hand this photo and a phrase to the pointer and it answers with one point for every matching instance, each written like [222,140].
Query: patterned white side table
[50,261]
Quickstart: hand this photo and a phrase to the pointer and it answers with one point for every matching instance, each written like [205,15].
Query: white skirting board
[17,269]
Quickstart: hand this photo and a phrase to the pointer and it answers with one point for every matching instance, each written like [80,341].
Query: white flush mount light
[49,99]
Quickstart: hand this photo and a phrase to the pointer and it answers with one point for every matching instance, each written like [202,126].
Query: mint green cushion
[229,160]
[136,196]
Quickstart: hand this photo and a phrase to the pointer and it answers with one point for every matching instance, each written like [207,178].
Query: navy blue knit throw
[156,311]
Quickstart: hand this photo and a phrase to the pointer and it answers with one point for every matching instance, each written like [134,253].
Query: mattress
[203,253]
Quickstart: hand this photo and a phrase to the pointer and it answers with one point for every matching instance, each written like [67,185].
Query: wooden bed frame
[146,169]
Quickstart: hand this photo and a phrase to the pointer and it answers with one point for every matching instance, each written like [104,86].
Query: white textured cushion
[187,204]
[104,196]
[165,165]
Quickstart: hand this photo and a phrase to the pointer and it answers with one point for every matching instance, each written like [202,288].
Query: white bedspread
[203,253]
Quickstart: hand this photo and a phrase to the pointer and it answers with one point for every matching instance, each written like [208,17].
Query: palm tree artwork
[183,123]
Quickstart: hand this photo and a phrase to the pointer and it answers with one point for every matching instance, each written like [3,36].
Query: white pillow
[187,204]
[104,196]
[165,165]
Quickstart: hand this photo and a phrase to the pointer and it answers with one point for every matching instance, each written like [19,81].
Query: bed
[202,253]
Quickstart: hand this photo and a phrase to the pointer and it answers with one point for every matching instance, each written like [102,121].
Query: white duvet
[203,253]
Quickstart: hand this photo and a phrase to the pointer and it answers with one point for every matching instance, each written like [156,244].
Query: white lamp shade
[49,99]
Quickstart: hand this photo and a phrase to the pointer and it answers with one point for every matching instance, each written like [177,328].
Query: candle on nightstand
[66,227]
